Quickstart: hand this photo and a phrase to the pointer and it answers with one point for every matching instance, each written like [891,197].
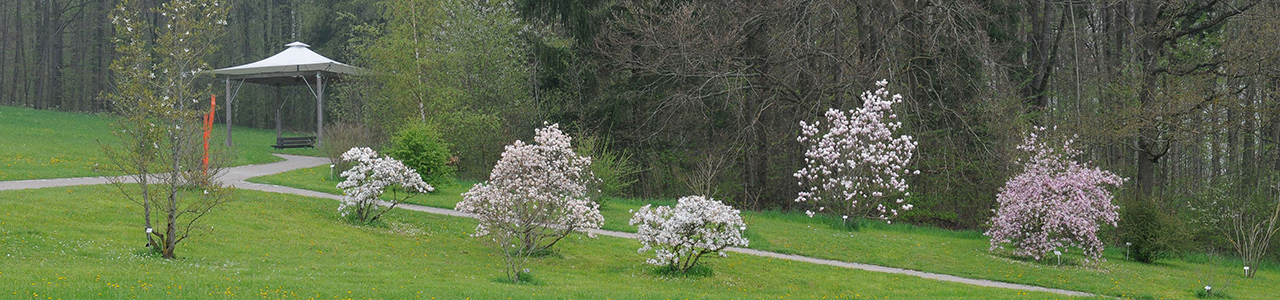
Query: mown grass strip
[958,253]
[83,242]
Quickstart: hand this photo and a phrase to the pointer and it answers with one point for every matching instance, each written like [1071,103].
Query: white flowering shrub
[535,196]
[856,164]
[370,178]
[680,235]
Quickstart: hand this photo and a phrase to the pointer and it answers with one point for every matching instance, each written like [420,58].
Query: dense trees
[1165,92]
[56,54]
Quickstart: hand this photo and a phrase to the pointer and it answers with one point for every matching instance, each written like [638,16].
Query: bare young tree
[1248,221]
[1250,233]
[704,177]
[158,108]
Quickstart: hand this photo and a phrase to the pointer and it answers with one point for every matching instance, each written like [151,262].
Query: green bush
[613,169]
[420,147]
[1152,235]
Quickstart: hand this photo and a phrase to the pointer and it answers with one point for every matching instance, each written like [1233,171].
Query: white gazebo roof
[285,67]
[294,66]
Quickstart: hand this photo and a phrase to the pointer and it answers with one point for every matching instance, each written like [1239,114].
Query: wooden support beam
[279,105]
[229,99]
[319,109]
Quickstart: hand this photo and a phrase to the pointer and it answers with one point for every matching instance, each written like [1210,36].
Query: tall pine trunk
[19,61]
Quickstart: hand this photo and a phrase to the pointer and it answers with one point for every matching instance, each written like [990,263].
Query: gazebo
[296,65]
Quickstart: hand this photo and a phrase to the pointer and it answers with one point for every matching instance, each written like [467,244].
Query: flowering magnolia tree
[680,235]
[370,178]
[535,196]
[855,163]
[157,95]
[1055,203]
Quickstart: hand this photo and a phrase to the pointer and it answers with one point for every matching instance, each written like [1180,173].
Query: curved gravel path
[236,176]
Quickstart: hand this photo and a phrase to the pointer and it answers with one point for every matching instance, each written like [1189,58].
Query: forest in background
[706,97]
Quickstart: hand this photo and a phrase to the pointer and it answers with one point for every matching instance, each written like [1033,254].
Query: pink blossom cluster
[537,190]
[855,165]
[371,176]
[1055,203]
[679,235]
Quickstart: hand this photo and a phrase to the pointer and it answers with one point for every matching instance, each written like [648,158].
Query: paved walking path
[236,176]
[233,175]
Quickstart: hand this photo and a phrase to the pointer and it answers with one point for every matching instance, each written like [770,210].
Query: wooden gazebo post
[279,105]
[319,109]
[229,97]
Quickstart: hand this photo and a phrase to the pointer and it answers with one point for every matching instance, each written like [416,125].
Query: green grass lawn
[965,254]
[960,253]
[39,144]
[85,242]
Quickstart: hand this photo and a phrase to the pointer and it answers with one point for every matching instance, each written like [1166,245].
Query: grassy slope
[933,250]
[31,147]
[77,243]
[615,213]
[965,254]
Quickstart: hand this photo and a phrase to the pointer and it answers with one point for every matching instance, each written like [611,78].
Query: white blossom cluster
[370,178]
[855,165]
[680,235]
[537,192]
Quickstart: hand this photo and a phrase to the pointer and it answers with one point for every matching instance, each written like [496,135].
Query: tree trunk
[1147,156]
[143,176]
[41,40]
[44,50]
[1146,172]
[1249,154]
[5,42]
[18,60]
[171,228]
[171,204]
[104,53]
[1039,56]
[1274,129]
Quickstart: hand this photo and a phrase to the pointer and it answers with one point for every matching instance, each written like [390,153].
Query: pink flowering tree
[370,178]
[680,235]
[1055,203]
[535,196]
[856,163]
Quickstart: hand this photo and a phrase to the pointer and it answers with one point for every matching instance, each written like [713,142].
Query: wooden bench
[295,142]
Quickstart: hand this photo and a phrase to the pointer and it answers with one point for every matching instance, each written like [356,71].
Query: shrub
[369,178]
[338,139]
[613,169]
[855,165]
[1149,233]
[535,196]
[680,235]
[1247,217]
[1055,203]
[421,148]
